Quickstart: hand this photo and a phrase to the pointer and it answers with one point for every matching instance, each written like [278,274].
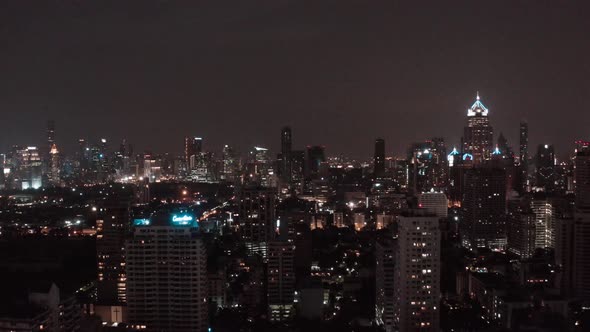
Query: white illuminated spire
[477,108]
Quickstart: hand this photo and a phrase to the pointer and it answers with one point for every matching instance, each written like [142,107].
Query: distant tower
[524,154]
[54,178]
[545,167]
[192,147]
[286,154]
[379,157]
[50,134]
[478,135]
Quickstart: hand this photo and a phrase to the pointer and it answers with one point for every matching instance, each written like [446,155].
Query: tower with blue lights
[478,135]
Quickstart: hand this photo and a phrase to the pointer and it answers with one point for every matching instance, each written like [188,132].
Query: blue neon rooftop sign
[182,219]
[141,222]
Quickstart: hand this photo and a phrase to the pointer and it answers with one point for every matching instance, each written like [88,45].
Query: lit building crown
[477,108]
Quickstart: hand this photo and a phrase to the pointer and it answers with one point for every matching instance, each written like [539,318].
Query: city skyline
[154,75]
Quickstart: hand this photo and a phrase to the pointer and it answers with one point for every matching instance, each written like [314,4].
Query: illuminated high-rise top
[477,108]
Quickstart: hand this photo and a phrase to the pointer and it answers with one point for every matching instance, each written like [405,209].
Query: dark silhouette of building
[379,158]
[484,208]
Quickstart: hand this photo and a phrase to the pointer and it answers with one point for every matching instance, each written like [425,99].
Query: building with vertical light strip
[167,274]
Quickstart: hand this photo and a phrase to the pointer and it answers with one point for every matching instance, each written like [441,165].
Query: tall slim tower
[417,273]
[524,154]
[581,245]
[257,222]
[545,167]
[286,150]
[111,228]
[192,147]
[50,134]
[379,157]
[478,135]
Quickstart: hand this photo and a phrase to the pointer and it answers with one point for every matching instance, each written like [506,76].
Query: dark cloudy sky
[340,72]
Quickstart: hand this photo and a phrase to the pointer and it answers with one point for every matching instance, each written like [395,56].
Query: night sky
[340,72]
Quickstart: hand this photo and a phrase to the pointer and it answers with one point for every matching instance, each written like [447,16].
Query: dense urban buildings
[220,240]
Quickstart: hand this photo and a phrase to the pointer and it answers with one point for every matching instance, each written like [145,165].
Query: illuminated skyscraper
[478,135]
[167,274]
[30,168]
[379,158]
[231,164]
[54,171]
[192,147]
[427,165]
[417,273]
[545,168]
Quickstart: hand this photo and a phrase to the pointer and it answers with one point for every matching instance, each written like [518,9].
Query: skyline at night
[160,71]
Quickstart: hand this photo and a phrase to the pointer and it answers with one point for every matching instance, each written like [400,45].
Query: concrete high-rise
[281,279]
[581,232]
[434,202]
[417,273]
[384,284]
[484,208]
[167,274]
[111,229]
[478,135]
[257,218]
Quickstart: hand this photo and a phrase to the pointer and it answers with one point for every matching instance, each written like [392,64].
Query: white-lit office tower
[167,277]
[434,202]
[257,218]
[545,213]
[384,284]
[111,228]
[281,280]
[417,273]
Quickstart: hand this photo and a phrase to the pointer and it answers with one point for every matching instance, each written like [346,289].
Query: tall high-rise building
[379,158]
[30,168]
[315,157]
[384,284]
[50,134]
[54,169]
[111,228]
[417,273]
[484,208]
[167,274]
[192,147]
[478,135]
[257,218]
[285,156]
[581,232]
[231,164]
[524,155]
[281,280]
[427,165]
[545,168]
